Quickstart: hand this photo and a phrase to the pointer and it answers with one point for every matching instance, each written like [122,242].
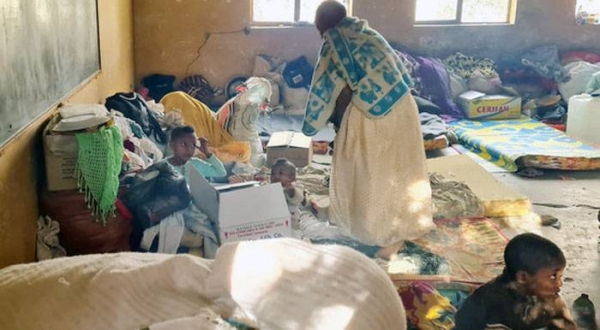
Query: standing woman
[379,188]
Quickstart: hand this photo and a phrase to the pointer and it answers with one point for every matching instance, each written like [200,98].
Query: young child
[284,172]
[184,144]
[198,228]
[526,295]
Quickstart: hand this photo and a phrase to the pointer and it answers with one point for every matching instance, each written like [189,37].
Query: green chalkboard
[47,49]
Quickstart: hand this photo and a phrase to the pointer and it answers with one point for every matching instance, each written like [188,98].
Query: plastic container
[583,117]
[584,312]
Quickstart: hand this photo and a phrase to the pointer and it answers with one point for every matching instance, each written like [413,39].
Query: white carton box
[294,146]
[243,211]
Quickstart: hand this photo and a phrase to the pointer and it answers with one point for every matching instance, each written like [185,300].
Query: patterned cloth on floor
[426,308]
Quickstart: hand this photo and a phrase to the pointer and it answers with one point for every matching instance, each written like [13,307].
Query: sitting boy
[198,229]
[284,171]
[526,295]
[184,144]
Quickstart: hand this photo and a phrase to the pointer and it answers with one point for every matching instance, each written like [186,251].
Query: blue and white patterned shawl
[353,54]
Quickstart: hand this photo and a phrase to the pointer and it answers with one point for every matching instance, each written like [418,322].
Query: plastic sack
[488,85]
[48,245]
[581,72]
[156,193]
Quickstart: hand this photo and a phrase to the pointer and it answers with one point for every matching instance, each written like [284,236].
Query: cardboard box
[60,154]
[294,146]
[480,106]
[245,211]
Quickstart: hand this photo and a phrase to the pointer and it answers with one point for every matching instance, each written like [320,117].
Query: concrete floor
[578,194]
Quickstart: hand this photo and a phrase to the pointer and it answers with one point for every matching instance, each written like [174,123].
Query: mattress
[524,142]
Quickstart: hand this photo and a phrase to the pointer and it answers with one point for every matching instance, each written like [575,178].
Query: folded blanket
[272,284]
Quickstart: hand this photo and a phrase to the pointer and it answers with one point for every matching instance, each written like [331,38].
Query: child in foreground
[526,295]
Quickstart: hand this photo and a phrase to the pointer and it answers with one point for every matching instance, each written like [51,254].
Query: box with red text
[242,211]
[479,106]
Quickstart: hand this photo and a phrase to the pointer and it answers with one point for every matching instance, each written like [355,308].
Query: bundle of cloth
[270,284]
[202,119]
[232,131]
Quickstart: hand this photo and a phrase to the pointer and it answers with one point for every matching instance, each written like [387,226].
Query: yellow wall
[169,35]
[20,160]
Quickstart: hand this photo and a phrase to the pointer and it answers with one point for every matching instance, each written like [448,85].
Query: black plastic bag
[156,193]
[158,85]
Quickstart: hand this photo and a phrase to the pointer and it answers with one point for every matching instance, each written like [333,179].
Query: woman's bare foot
[390,252]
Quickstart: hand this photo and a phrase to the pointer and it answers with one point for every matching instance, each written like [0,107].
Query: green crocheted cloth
[98,167]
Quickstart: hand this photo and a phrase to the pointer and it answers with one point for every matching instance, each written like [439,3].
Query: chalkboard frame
[67,33]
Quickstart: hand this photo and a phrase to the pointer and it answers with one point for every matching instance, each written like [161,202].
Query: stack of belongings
[289,82]
[83,152]
[139,123]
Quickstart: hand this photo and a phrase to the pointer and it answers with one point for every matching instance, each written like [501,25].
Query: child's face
[184,147]
[284,175]
[546,283]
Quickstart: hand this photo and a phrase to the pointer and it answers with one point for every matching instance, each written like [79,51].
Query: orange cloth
[202,119]
[197,115]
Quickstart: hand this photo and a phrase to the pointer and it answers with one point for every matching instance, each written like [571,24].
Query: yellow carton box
[480,106]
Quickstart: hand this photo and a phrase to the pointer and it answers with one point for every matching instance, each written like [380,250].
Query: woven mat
[473,247]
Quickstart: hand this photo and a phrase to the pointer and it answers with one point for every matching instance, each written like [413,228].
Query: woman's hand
[341,104]
[289,189]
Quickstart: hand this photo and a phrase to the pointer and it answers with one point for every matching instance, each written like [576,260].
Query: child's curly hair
[180,131]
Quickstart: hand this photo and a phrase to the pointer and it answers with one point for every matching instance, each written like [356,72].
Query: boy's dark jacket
[497,305]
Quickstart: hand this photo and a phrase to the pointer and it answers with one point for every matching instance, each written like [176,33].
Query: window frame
[296,22]
[510,17]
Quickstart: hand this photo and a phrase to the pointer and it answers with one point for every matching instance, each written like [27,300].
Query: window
[588,12]
[286,12]
[465,11]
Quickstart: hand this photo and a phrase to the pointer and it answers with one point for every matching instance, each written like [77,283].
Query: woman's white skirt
[379,189]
